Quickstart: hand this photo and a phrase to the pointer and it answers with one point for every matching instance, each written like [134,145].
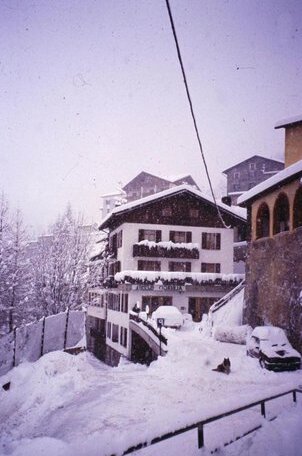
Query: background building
[248,173]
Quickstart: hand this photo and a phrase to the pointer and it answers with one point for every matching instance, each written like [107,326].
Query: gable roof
[289,122]
[251,159]
[286,175]
[145,174]
[233,210]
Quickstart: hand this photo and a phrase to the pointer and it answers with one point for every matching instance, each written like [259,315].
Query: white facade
[130,236]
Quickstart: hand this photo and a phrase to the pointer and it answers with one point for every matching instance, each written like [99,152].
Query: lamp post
[160,323]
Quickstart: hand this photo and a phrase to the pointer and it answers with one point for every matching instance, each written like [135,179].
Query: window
[182,266]
[236,187]
[262,221]
[114,267]
[115,329]
[167,211]
[194,213]
[154,302]
[114,301]
[180,236]
[211,241]
[123,336]
[145,265]
[113,244]
[252,166]
[298,208]
[210,267]
[236,175]
[124,303]
[281,214]
[109,329]
[149,235]
[119,238]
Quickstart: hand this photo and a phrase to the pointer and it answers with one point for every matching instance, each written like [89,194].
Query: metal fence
[200,425]
[30,342]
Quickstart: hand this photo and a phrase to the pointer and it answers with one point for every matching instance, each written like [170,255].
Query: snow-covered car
[168,316]
[270,345]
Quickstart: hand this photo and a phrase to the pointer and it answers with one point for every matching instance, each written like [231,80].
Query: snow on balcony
[160,277]
[166,249]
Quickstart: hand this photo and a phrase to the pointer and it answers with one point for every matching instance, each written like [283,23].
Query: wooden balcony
[160,251]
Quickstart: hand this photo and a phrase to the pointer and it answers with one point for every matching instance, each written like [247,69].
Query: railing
[141,250]
[200,425]
[137,319]
[225,299]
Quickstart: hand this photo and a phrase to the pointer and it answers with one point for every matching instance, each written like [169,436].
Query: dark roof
[250,159]
[234,211]
[144,173]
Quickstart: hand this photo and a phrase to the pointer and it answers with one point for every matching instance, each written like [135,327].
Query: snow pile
[231,313]
[75,405]
[232,334]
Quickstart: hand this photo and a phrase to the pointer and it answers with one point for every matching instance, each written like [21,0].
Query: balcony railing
[166,250]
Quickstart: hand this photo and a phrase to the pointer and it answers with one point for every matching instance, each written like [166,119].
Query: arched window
[298,208]
[262,221]
[281,214]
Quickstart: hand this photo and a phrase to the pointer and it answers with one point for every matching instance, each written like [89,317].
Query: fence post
[42,339]
[66,327]
[15,346]
[200,435]
[263,408]
[295,396]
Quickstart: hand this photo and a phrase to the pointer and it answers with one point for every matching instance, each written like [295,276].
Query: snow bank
[232,334]
[231,313]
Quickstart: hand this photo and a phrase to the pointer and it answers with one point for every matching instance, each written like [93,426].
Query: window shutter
[171,266]
[204,240]
[188,266]
[217,268]
[203,267]
[172,236]
[158,236]
[140,265]
[121,238]
[140,235]
[218,241]
[189,236]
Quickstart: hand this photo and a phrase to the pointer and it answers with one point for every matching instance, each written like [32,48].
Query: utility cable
[192,112]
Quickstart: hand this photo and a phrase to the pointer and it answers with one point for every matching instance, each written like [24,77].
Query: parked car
[270,345]
[170,316]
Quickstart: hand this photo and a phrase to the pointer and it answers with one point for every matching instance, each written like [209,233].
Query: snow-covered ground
[67,405]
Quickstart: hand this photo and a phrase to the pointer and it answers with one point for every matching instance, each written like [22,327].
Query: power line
[192,111]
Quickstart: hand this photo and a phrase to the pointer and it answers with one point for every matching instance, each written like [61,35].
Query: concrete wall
[274,284]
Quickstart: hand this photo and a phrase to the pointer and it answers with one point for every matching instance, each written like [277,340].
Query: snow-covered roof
[288,173]
[289,121]
[234,210]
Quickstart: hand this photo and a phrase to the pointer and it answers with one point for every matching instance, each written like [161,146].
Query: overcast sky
[92,94]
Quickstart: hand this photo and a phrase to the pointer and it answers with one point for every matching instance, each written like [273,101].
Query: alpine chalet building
[170,248]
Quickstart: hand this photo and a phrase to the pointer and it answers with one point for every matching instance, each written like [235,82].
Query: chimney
[293,139]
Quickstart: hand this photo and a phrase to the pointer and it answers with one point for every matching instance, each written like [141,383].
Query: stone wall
[274,284]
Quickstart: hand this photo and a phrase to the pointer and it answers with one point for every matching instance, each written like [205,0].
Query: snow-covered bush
[233,334]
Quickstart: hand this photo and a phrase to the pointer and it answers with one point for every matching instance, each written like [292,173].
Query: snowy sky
[91,93]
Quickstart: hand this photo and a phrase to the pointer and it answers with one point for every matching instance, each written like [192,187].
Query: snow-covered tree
[60,265]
